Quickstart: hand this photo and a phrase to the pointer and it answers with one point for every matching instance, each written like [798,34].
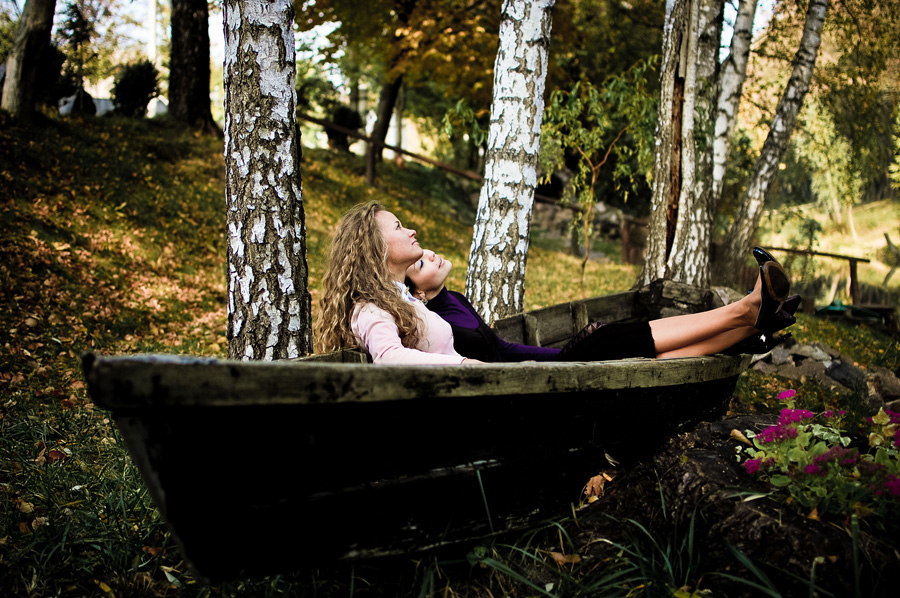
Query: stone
[846,375]
[781,356]
[811,352]
[884,383]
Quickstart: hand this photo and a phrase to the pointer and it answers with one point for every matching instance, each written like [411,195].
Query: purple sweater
[473,338]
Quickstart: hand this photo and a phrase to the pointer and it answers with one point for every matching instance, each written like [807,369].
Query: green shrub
[136,84]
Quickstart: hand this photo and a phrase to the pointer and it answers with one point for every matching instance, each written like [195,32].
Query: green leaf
[780,481]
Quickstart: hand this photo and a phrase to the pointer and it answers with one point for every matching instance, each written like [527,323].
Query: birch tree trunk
[496,274]
[734,73]
[681,221]
[744,227]
[32,39]
[269,313]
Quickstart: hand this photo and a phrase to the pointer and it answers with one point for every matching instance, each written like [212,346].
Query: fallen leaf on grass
[58,455]
[103,587]
[565,559]
[595,485]
[39,521]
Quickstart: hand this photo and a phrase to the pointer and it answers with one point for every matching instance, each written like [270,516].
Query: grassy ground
[111,240]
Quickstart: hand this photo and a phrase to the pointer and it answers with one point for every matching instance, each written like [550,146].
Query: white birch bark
[268,301]
[667,157]
[734,73]
[496,274]
[688,257]
[744,227]
[681,220]
[32,39]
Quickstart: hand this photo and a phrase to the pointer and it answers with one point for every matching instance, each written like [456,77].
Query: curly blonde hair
[357,272]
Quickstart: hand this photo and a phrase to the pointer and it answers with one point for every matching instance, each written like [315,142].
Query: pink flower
[789,416]
[812,469]
[752,465]
[776,433]
[828,414]
[787,394]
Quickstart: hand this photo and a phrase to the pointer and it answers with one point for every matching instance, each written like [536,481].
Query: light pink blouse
[376,331]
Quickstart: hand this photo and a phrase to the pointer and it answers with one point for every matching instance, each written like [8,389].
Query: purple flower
[787,394]
[812,469]
[828,414]
[789,416]
[895,417]
[752,465]
[776,433]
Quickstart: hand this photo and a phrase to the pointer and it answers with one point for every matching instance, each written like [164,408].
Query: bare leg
[713,345]
[707,332]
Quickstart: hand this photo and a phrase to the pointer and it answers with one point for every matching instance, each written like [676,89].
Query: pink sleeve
[378,333]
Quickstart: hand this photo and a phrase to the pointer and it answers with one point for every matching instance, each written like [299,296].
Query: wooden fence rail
[854,280]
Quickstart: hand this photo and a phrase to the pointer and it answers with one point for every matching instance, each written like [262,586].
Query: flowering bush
[810,457]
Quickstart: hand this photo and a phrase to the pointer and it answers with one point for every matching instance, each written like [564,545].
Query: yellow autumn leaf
[739,436]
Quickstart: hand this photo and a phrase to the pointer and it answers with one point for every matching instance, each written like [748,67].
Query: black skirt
[601,342]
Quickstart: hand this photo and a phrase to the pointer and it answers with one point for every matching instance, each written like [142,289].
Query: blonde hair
[356,272]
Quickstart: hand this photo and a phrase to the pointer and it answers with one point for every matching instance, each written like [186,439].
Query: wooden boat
[264,467]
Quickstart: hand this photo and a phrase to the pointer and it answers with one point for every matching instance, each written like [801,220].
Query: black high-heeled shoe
[775,288]
[792,304]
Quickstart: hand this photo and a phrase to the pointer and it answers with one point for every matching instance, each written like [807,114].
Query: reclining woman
[366,305]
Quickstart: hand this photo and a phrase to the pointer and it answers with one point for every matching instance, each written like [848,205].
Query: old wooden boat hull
[263,467]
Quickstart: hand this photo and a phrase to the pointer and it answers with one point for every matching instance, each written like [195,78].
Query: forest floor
[112,240]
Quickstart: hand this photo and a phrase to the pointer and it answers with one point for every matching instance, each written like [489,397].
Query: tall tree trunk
[189,65]
[496,274]
[743,229]
[688,259]
[734,73]
[387,99]
[681,222]
[32,39]
[269,314]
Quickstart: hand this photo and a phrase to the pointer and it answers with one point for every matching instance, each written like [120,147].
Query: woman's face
[403,249]
[429,272]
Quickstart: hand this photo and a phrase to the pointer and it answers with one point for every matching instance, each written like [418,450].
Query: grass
[111,240]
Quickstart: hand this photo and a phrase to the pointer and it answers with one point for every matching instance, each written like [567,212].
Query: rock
[846,375]
[884,383]
[781,356]
[810,352]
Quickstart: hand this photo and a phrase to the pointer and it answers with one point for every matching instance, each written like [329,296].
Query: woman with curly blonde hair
[365,304]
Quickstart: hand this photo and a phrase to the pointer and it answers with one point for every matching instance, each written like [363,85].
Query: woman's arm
[378,333]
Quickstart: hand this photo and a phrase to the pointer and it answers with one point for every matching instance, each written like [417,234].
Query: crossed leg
[709,332]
